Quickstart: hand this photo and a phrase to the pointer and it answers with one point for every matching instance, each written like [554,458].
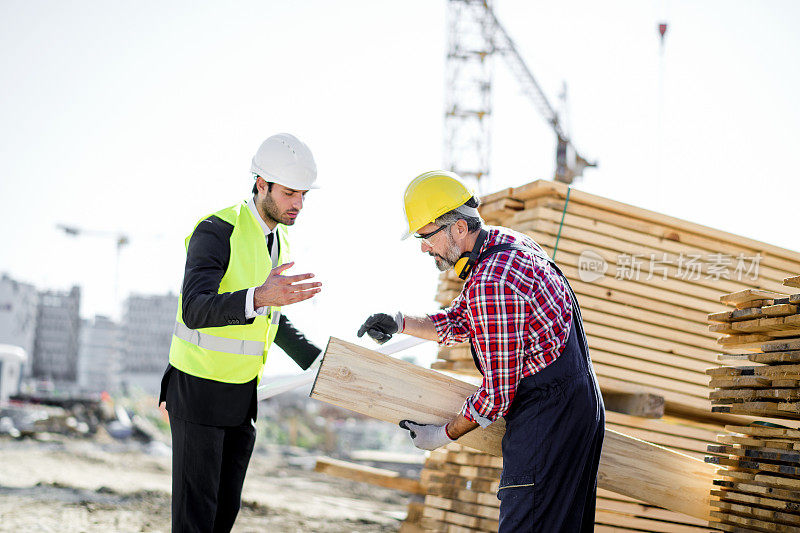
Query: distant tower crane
[475,36]
[121,240]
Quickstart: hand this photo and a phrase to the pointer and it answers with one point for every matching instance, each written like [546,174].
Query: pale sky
[142,117]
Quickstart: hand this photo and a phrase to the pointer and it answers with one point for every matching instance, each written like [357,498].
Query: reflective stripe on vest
[218,344]
[234,353]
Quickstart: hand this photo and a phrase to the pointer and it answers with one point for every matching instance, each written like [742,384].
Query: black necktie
[270,236]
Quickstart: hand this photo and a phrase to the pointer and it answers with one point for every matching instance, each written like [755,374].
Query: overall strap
[491,250]
[576,318]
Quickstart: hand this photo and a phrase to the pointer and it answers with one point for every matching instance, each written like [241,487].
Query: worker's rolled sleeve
[452,324]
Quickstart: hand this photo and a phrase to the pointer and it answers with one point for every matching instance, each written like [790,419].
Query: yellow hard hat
[432,194]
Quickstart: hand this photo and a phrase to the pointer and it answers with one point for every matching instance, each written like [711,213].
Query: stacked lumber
[371,383]
[758,488]
[461,484]
[646,283]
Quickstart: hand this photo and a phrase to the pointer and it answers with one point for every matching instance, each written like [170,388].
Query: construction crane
[475,37]
[120,239]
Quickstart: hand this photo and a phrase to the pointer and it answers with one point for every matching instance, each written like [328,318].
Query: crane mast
[475,36]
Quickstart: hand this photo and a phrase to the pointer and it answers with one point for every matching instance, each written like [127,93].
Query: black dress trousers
[209,464]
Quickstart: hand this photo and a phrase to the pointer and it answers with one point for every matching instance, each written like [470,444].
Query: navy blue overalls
[554,435]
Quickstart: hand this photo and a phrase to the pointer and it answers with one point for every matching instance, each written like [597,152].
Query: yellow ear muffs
[467,260]
[461,267]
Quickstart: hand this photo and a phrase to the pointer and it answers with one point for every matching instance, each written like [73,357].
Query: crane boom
[474,28]
[506,47]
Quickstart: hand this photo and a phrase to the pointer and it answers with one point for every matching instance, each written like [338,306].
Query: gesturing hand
[279,290]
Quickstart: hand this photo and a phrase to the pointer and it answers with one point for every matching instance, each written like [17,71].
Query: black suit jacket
[205,401]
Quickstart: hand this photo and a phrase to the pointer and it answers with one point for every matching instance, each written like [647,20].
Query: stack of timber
[646,283]
[389,389]
[461,483]
[759,478]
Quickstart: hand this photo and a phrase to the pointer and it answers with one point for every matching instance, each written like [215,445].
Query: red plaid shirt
[517,310]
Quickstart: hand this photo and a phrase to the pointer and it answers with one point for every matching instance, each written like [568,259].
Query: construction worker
[523,323]
[229,314]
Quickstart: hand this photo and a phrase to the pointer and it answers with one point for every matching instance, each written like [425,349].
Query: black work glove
[381,326]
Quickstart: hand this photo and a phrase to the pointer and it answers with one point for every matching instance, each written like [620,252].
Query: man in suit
[229,314]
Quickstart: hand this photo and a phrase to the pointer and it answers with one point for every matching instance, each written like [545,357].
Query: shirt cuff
[440,322]
[470,413]
[249,310]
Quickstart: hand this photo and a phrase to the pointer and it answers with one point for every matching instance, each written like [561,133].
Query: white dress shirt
[249,305]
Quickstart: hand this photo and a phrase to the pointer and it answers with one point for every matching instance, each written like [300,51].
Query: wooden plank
[643,524]
[465,508]
[767,515]
[770,267]
[508,192]
[569,253]
[642,510]
[596,327]
[748,295]
[676,403]
[776,357]
[745,521]
[745,395]
[761,489]
[650,261]
[392,390]
[673,314]
[768,480]
[754,342]
[648,367]
[651,380]
[598,232]
[367,474]
[633,324]
[768,372]
[781,345]
[643,404]
[647,354]
[645,316]
[545,188]
[737,315]
[655,288]
[757,454]
[765,431]
[755,409]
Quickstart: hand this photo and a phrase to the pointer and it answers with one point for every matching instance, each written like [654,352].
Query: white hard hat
[286,160]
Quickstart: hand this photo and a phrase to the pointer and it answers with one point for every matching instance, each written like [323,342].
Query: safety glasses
[425,237]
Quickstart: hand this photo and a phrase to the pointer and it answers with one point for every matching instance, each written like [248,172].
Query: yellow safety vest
[233,354]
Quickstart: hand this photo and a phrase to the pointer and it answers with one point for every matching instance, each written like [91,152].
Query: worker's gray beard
[450,257]
[271,210]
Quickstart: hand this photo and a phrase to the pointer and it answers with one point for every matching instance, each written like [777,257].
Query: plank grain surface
[388,389]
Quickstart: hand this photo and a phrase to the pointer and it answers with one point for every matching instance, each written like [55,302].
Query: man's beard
[271,211]
[450,257]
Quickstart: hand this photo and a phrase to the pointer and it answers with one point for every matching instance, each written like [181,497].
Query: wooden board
[367,474]
[392,390]
[770,267]
[677,227]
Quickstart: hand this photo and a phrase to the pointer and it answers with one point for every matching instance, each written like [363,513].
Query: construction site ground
[86,485]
